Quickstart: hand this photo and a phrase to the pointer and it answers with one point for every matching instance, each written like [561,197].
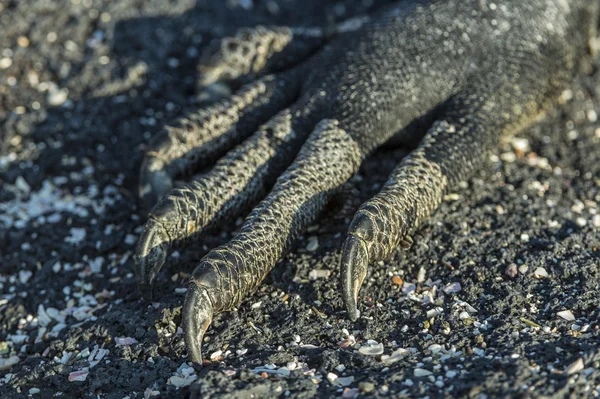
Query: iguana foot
[228,273]
[476,71]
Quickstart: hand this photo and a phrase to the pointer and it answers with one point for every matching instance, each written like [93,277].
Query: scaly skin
[481,69]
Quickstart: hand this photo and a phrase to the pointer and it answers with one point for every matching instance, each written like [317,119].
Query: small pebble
[5,364]
[25,275]
[540,273]
[451,373]
[313,244]
[5,63]
[57,97]
[452,197]
[575,367]
[435,348]
[331,377]
[76,235]
[452,288]
[511,270]
[508,157]
[149,393]
[395,356]
[366,387]
[407,288]
[181,381]
[397,280]
[520,145]
[318,273]
[523,269]
[23,41]
[464,315]
[130,239]
[125,341]
[419,372]
[346,343]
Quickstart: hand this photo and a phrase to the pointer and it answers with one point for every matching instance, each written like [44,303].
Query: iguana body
[475,69]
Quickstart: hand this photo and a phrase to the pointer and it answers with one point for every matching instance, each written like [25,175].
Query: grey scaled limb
[202,137]
[228,273]
[235,183]
[259,50]
[256,51]
[451,150]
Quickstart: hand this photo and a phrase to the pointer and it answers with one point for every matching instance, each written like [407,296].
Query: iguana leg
[468,128]
[236,183]
[483,70]
[451,149]
[259,50]
[228,273]
[201,138]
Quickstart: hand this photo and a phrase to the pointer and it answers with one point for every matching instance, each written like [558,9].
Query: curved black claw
[151,253]
[198,312]
[155,180]
[355,262]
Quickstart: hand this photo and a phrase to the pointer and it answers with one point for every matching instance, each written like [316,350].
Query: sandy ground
[499,296]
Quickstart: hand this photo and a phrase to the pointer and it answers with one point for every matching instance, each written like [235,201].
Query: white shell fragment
[339,381]
[181,381]
[567,315]
[184,376]
[452,288]
[282,371]
[125,341]
[395,356]
[79,375]
[434,312]
[371,349]
[575,367]
[331,377]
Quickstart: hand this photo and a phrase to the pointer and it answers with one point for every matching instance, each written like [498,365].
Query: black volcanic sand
[501,287]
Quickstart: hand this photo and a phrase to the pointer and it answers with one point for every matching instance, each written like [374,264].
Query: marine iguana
[320,104]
